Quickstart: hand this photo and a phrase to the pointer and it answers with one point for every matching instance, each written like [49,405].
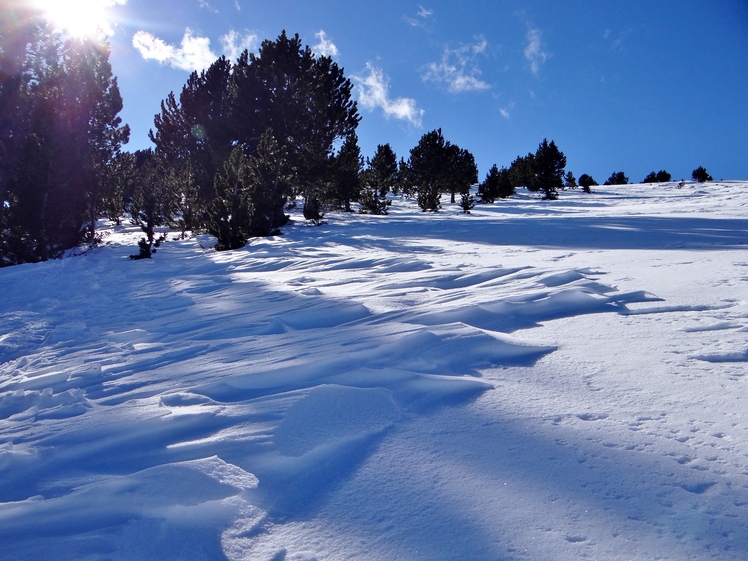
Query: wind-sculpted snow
[537,380]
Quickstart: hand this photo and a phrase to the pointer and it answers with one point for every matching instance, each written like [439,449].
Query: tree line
[241,142]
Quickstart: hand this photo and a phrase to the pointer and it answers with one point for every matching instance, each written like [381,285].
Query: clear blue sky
[633,86]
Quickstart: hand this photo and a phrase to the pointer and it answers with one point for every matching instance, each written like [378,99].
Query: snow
[537,380]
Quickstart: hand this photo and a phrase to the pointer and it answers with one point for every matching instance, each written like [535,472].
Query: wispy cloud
[535,53]
[422,18]
[234,44]
[423,12]
[616,40]
[374,92]
[505,113]
[204,5]
[458,69]
[193,53]
[237,6]
[325,47]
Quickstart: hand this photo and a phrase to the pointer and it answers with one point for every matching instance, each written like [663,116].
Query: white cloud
[421,18]
[423,12]
[235,44]
[534,52]
[458,69]
[237,6]
[505,113]
[325,47]
[205,5]
[193,53]
[374,91]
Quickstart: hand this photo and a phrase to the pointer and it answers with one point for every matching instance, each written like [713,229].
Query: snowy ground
[538,380]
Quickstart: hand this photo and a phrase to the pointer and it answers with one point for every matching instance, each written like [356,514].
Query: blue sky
[634,86]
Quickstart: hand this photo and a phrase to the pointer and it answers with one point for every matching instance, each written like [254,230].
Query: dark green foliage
[270,177]
[700,174]
[437,166]
[587,182]
[59,131]
[570,182]
[660,177]
[467,203]
[152,201]
[192,134]
[230,213]
[379,178]
[347,166]
[617,178]
[304,99]
[549,164]
[497,184]
[522,172]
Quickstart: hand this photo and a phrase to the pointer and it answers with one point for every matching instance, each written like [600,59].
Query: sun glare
[80,18]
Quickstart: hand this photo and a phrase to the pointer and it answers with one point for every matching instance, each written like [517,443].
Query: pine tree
[437,166]
[58,132]
[379,178]
[230,213]
[617,178]
[152,202]
[269,181]
[700,174]
[587,182]
[570,181]
[549,164]
[348,164]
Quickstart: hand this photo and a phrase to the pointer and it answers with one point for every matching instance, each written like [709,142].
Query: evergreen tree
[467,202]
[230,213]
[570,181]
[348,164]
[193,134]
[660,177]
[269,181]
[379,178]
[522,172]
[700,174]
[548,166]
[617,178]
[58,132]
[587,182]
[304,98]
[152,202]
[489,188]
[437,166]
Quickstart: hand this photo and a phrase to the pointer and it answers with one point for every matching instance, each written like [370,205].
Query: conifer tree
[497,184]
[269,176]
[379,178]
[700,174]
[587,182]
[570,181]
[230,213]
[617,178]
[59,130]
[152,202]
[548,166]
[347,165]
[437,166]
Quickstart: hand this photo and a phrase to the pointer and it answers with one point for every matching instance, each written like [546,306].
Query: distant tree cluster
[660,177]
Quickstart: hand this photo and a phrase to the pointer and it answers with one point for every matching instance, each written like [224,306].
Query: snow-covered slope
[538,380]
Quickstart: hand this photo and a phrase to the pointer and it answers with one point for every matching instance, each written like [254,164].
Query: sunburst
[80,18]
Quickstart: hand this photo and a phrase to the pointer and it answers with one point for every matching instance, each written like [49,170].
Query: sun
[80,18]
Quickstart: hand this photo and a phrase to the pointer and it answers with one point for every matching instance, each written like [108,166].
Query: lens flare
[80,18]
